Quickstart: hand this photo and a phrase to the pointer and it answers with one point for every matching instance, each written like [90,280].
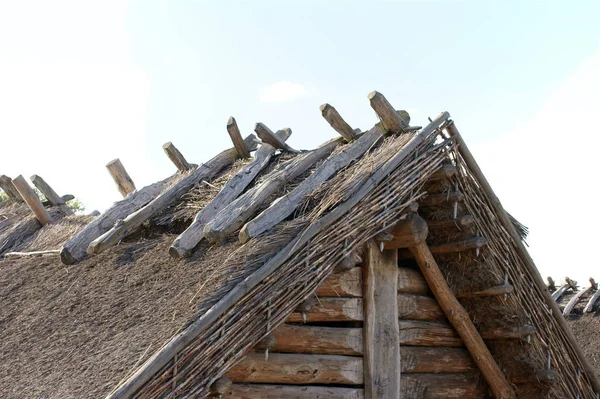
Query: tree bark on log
[286,205]
[407,233]
[176,157]
[122,179]
[10,190]
[13,239]
[189,239]
[50,194]
[337,122]
[203,172]
[236,138]
[390,118]
[267,136]
[32,200]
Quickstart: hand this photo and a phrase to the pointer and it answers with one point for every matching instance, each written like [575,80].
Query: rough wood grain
[407,233]
[444,173]
[428,333]
[50,194]
[286,205]
[189,239]
[502,289]
[312,339]
[460,320]
[381,342]
[459,223]
[267,136]
[337,122]
[176,157]
[417,359]
[236,138]
[205,171]
[32,200]
[441,199]
[459,246]
[122,179]
[10,190]
[257,391]
[508,332]
[391,119]
[443,386]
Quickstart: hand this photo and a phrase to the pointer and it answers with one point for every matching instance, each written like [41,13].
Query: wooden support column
[121,177]
[381,338]
[10,190]
[32,200]
[337,122]
[236,138]
[50,194]
[462,323]
[176,157]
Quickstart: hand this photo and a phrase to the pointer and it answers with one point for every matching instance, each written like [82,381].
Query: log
[407,233]
[176,157]
[428,333]
[563,288]
[50,194]
[508,332]
[64,198]
[446,172]
[540,376]
[292,368]
[221,386]
[257,391]
[590,305]
[551,284]
[189,239]
[316,339]
[435,360]
[267,136]
[348,262]
[391,119]
[205,171]
[122,179]
[460,223]
[459,246]
[75,250]
[502,289]
[18,233]
[443,386]
[32,200]
[441,199]
[577,296]
[419,307]
[235,214]
[411,281]
[522,251]
[337,122]
[267,342]
[236,138]
[380,309]
[10,190]
[462,323]
[49,252]
[286,205]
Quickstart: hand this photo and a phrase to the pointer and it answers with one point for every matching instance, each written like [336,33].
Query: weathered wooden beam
[258,391]
[64,198]
[446,172]
[122,179]
[285,206]
[50,194]
[540,376]
[459,246]
[407,233]
[391,119]
[462,323]
[337,122]
[315,339]
[502,289]
[443,386]
[292,368]
[573,301]
[236,138]
[590,305]
[267,342]
[203,172]
[189,239]
[176,157]
[508,332]
[267,136]
[221,386]
[411,281]
[563,288]
[441,199]
[49,252]
[417,359]
[428,333]
[10,190]
[459,223]
[380,309]
[551,283]
[32,200]
[348,262]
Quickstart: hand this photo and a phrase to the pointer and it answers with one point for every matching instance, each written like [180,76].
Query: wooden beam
[411,281]
[446,172]
[443,386]
[418,307]
[435,360]
[50,194]
[206,171]
[502,289]
[32,200]
[316,339]
[459,246]
[508,332]
[441,199]
[267,136]
[391,119]
[575,298]
[191,237]
[407,233]
[459,223]
[236,138]
[381,342]
[563,288]
[462,323]
[540,376]
[348,262]
[337,122]
[49,252]
[64,198]
[176,157]
[428,333]
[221,386]
[590,305]
[258,391]
[122,179]
[10,190]
[551,283]
[286,205]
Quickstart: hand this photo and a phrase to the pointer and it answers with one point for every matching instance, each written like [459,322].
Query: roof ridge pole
[520,248]
[32,200]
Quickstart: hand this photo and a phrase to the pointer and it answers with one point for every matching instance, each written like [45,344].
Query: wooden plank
[417,359]
[443,386]
[381,342]
[315,339]
[286,205]
[293,368]
[32,200]
[428,333]
[459,223]
[189,239]
[50,194]
[205,171]
[441,199]
[8,188]
[459,246]
[391,119]
[257,391]
[337,122]
[176,157]
[267,136]
[407,233]
[122,179]
[462,323]
[236,138]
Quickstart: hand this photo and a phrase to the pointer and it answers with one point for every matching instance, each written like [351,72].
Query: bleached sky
[84,82]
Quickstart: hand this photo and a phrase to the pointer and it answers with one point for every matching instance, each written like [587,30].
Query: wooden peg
[337,122]
[392,120]
[176,157]
[236,138]
[121,177]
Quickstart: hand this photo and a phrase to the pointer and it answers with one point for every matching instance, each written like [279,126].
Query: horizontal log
[459,246]
[428,333]
[391,119]
[411,281]
[441,199]
[221,386]
[348,262]
[257,391]
[337,122]
[501,289]
[176,157]
[419,307]
[291,368]
[9,189]
[315,339]
[417,359]
[445,172]
[508,332]
[236,138]
[460,222]
[543,376]
[267,136]
[407,233]
[443,386]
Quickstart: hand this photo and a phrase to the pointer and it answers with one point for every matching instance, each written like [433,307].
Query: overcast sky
[84,82]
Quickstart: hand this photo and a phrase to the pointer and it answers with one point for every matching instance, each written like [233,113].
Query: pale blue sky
[83,82]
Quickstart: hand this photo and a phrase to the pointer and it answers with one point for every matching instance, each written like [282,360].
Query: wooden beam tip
[374,94]
[167,145]
[324,108]
[231,121]
[113,162]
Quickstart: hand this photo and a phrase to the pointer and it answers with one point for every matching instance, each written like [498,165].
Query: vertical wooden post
[236,138]
[10,190]
[381,329]
[32,200]
[176,157]
[121,177]
[50,194]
